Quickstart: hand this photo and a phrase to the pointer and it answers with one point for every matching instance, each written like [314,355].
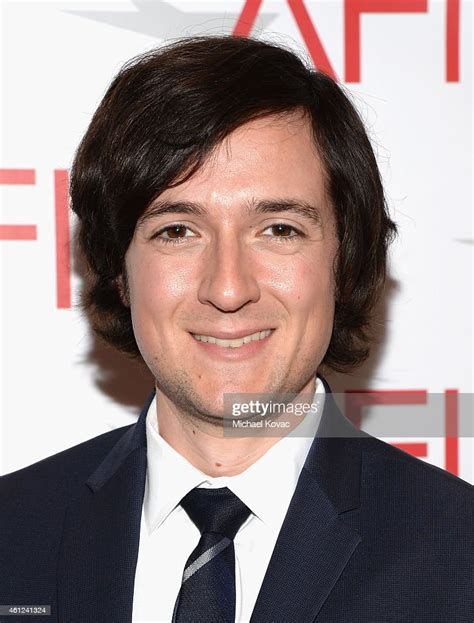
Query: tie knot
[215,510]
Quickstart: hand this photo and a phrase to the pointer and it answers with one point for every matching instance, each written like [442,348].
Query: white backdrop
[411,76]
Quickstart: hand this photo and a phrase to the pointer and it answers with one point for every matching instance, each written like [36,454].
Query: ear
[122,286]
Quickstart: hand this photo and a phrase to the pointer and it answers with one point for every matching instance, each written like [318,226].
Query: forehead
[270,157]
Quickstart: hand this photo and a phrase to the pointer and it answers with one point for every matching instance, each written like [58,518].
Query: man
[234,223]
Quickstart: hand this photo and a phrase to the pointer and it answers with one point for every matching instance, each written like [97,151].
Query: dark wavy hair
[165,111]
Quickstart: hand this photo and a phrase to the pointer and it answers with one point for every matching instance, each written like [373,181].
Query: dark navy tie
[207,593]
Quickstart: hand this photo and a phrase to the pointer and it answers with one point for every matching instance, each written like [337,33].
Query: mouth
[236,348]
[236,342]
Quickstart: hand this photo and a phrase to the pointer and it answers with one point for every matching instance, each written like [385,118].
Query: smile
[254,337]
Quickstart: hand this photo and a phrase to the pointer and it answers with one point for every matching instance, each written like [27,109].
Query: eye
[174,233]
[173,237]
[282,228]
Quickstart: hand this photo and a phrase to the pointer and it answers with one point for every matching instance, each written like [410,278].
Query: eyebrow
[267,206]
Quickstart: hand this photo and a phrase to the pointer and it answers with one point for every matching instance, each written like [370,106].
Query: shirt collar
[266,487]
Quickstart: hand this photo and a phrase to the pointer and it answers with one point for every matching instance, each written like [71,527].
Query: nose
[227,281]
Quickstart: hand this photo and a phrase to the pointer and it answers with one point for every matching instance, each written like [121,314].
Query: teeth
[234,343]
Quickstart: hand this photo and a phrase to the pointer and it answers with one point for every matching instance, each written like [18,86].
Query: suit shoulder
[415,468]
[60,470]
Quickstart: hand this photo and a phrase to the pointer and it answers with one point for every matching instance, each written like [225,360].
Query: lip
[245,351]
[230,335]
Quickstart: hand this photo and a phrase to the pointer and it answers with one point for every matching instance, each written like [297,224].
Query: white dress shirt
[168,536]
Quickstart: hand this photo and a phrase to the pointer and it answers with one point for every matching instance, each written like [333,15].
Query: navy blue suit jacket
[372,534]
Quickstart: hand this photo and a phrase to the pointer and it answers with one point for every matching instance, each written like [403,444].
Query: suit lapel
[314,544]
[99,548]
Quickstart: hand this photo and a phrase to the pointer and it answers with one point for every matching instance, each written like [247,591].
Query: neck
[204,445]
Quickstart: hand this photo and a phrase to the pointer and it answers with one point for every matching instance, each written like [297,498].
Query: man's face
[223,266]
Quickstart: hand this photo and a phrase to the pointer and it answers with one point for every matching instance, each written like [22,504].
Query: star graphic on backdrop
[161,20]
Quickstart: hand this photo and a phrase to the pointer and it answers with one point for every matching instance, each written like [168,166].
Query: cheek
[157,285]
[306,283]
[313,300]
